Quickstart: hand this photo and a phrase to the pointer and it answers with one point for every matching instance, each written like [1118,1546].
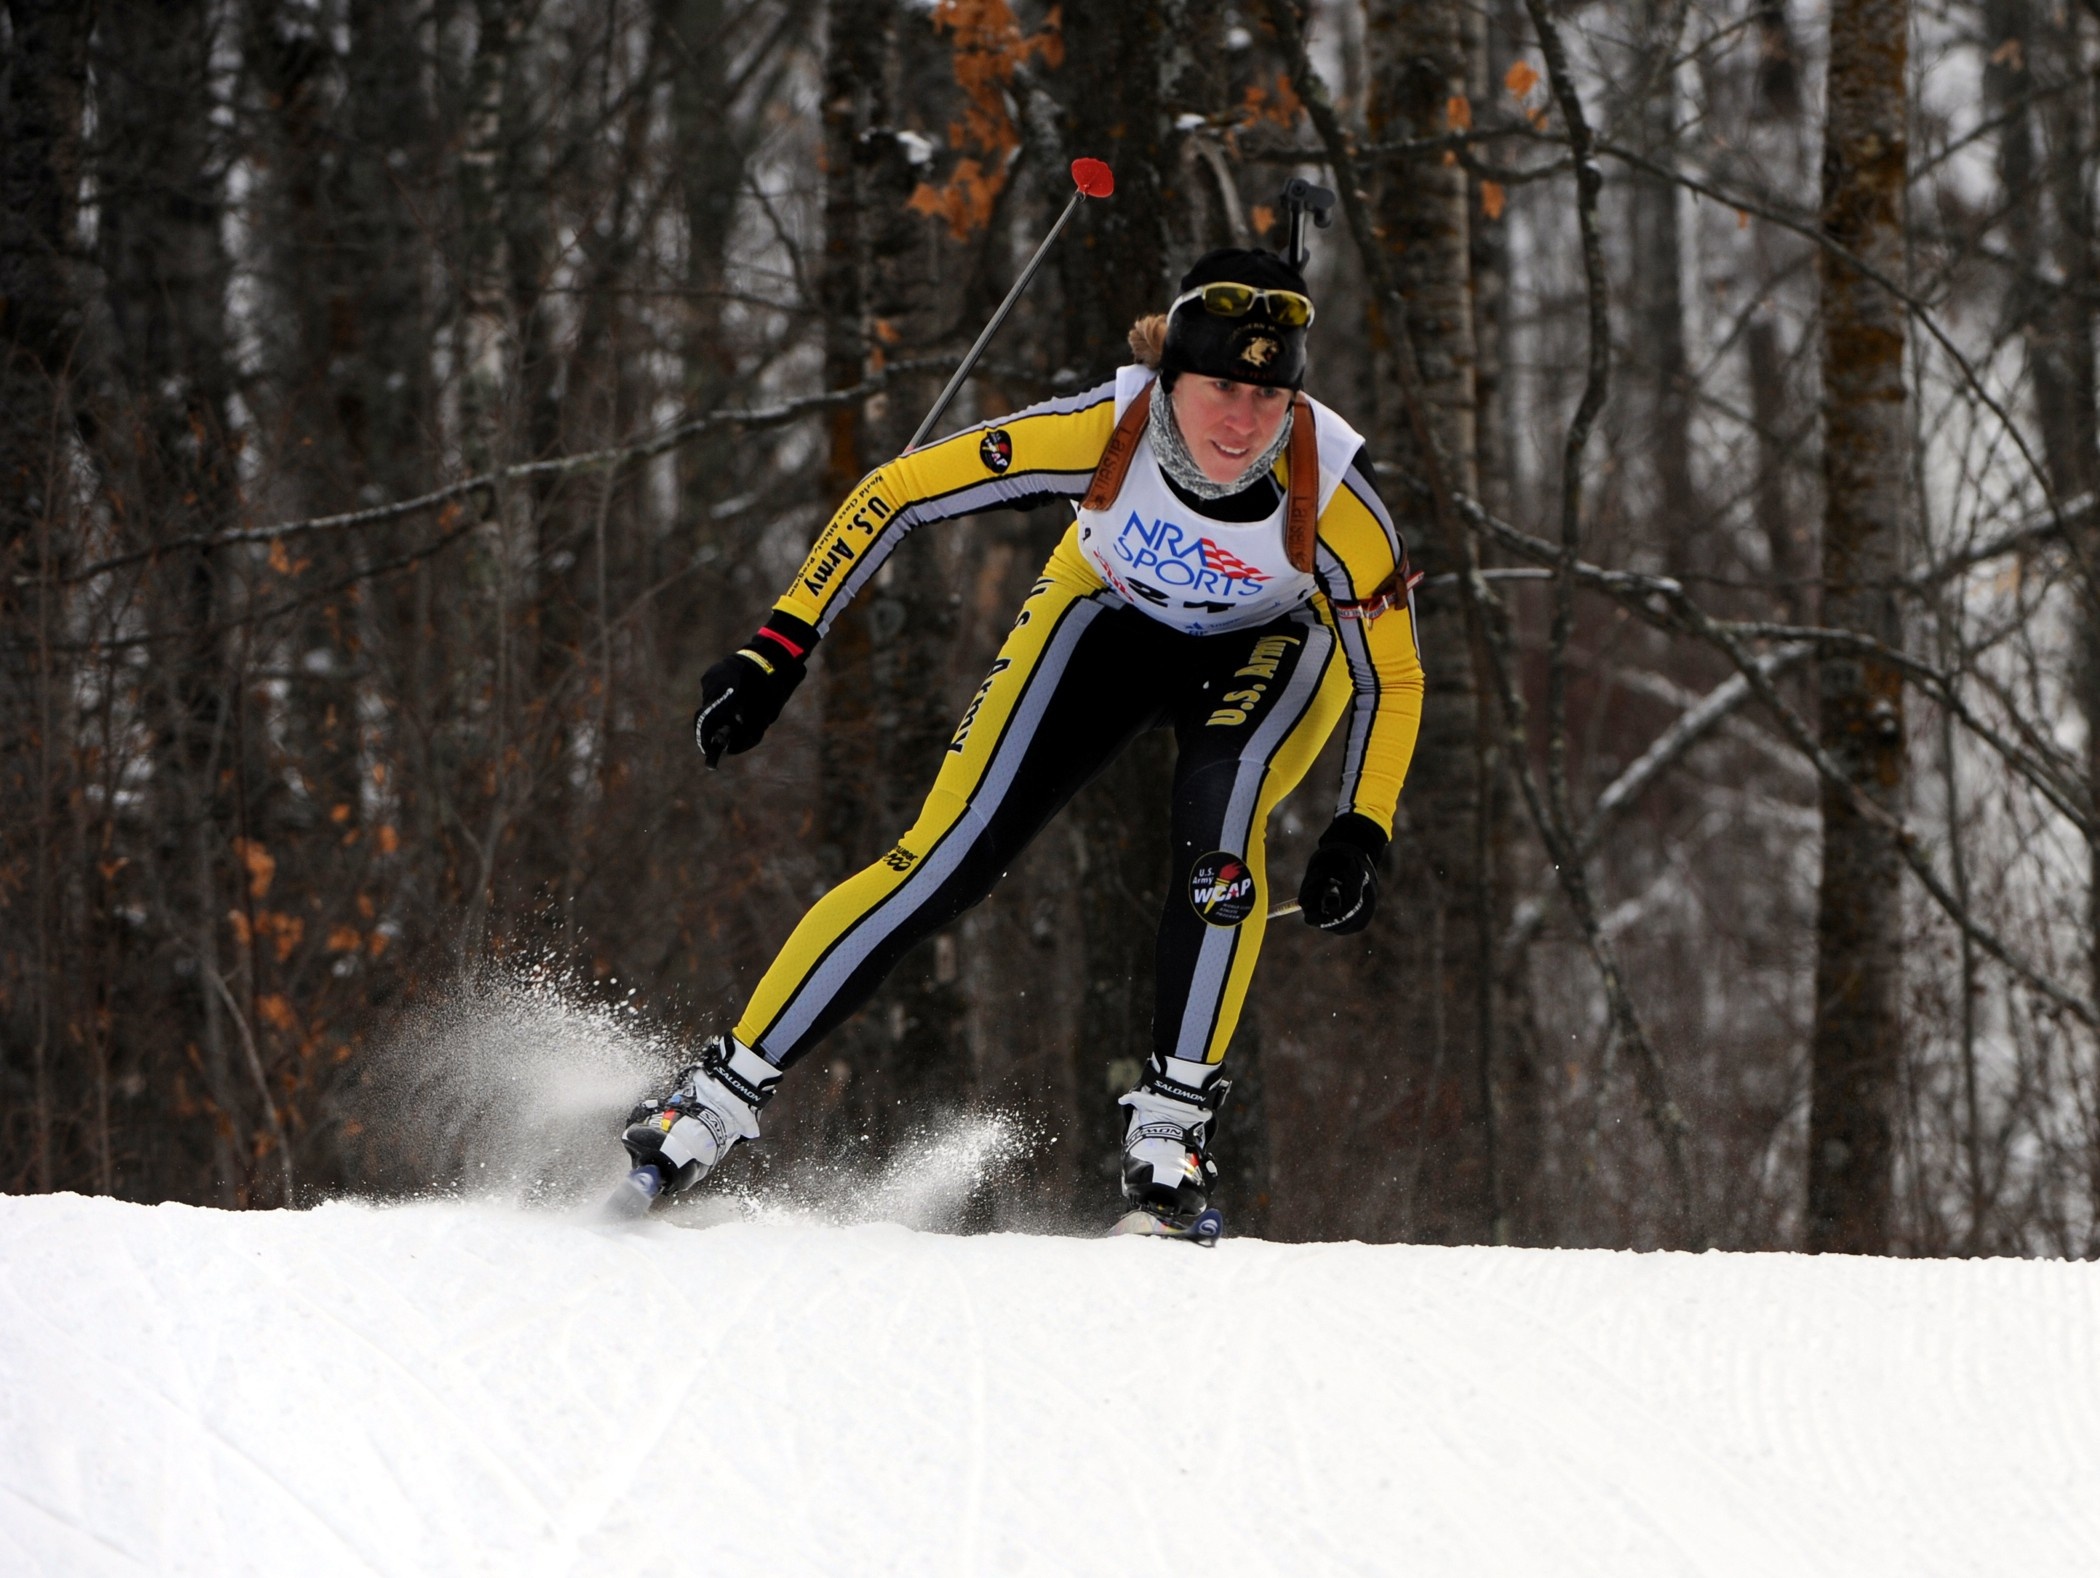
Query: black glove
[1340,890]
[742,695]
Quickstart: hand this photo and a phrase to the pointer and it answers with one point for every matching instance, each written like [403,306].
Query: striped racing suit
[1159,611]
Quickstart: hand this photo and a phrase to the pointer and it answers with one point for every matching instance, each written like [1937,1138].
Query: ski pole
[1287,907]
[1302,201]
[1090,178]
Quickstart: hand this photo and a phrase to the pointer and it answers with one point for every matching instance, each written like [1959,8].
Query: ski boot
[679,1139]
[1167,1168]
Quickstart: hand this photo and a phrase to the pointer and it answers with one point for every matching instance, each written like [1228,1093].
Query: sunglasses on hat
[1227,300]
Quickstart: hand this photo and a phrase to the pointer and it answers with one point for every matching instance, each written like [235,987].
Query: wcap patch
[996,450]
[1221,888]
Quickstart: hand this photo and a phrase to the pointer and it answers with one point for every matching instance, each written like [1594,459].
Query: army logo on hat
[1260,351]
[997,451]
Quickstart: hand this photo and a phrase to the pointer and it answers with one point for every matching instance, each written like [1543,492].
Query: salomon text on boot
[1167,1168]
[678,1139]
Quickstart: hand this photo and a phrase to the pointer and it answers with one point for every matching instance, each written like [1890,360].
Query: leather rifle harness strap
[1301,505]
[1301,509]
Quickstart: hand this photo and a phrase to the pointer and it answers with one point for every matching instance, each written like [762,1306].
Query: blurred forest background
[405,400]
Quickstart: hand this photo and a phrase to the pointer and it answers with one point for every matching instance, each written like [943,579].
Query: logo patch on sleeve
[1222,888]
[996,451]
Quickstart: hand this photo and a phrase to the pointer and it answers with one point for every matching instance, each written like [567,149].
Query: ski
[1204,1229]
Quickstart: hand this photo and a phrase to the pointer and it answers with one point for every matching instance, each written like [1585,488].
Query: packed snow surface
[473,1388]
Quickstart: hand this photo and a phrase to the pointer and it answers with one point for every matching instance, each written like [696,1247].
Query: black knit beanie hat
[1250,350]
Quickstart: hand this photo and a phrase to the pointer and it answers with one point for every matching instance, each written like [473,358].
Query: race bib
[1201,576]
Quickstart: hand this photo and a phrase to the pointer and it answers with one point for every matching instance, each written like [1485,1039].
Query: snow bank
[454,1388]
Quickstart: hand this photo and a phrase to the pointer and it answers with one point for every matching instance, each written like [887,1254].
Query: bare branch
[278,1136]
[2043,526]
[1911,302]
[1670,747]
[1669,1120]
[1661,602]
[1654,597]
[643,448]
[1694,725]
[2059,513]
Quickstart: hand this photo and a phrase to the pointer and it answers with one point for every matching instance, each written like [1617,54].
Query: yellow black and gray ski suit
[1155,611]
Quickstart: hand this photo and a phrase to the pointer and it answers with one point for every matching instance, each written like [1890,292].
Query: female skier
[1231,573]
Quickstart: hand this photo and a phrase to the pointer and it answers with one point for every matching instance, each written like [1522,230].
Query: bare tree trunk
[40,171]
[166,272]
[2072,429]
[1432,959]
[41,317]
[853,34]
[1658,262]
[887,705]
[2045,169]
[710,172]
[1786,544]
[1776,409]
[1492,48]
[1519,1088]
[1857,1046]
[1114,272]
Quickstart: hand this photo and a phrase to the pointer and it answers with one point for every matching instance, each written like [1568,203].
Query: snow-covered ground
[471,1388]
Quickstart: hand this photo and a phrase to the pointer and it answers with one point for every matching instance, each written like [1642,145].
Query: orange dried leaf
[1288,106]
[988,48]
[389,838]
[1493,199]
[345,939]
[1458,112]
[1521,79]
[261,864]
[1261,218]
[280,561]
[276,1011]
[288,931]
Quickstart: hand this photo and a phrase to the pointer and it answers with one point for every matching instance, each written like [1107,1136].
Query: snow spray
[514,1087]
